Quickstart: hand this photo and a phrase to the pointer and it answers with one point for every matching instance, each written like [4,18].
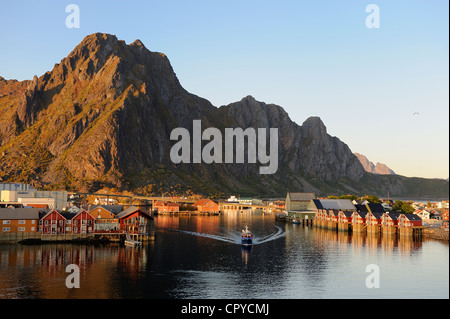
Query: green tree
[372,199]
[402,207]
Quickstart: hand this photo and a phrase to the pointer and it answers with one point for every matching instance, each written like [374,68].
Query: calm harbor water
[201,257]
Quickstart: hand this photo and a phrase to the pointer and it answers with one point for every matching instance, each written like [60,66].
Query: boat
[246,237]
[130,242]
[296,221]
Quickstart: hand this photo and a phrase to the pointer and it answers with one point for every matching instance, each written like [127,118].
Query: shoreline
[436,234]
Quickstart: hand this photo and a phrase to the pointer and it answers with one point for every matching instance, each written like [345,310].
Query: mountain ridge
[378,168]
[103,117]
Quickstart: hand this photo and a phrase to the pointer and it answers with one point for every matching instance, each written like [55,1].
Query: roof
[131,210]
[301,196]
[128,211]
[203,202]
[317,203]
[115,209]
[159,203]
[347,213]
[68,215]
[412,216]
[362,214]
[361,208]
[393,216]
[376,207]
[19,213]
[37,205]
[339,204]
[377,215]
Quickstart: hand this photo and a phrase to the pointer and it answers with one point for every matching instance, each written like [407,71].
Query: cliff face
[103,117]
[306,149]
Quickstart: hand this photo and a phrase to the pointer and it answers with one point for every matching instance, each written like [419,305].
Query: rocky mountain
[104,115]
[378,168]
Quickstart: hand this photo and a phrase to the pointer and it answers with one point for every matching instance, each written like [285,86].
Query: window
[6,222]
[46,222]
[5,229]
[33,229]
[33,221]
[21,229]
[68,228]
[21,222]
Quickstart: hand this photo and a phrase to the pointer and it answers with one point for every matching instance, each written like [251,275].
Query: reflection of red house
[53,223]
[206,205]
[166,207]
[135,221]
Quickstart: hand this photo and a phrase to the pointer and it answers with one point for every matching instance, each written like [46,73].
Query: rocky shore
[436,233]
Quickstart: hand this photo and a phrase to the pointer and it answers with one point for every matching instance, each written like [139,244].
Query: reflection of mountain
[370,167]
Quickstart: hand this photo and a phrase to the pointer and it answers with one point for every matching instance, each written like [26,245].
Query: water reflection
[201,257]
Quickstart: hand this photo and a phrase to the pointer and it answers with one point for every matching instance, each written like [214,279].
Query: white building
[57,199]
[16,187]
[423,214]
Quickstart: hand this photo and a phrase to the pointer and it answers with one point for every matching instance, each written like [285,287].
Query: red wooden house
[359,218]
[166,207]
[390,219]
[409,220]
[345,217]
[53,223]
[444,217]
[206,205]
[373,218]
[333,216]
[135,221]
[83,223]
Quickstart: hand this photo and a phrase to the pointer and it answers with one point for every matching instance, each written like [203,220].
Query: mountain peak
[138,42]
[378,168]
[315,124]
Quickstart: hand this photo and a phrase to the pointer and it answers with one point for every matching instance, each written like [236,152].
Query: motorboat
[246,237]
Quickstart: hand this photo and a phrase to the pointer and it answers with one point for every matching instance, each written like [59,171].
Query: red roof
[202,202]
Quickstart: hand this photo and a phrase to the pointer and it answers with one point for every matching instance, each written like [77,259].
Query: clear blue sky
[314,58]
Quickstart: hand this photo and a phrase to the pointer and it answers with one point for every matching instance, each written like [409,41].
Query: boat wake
[278,234]
[234,237]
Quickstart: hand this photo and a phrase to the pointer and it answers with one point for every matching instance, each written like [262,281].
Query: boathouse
[373,222]
[298,201]
[207,205]
[79,223]
[53,223]
[135,222]
[410,225]
[330,210]
[359,221]
[166,207]
[389,223]
[345,220]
